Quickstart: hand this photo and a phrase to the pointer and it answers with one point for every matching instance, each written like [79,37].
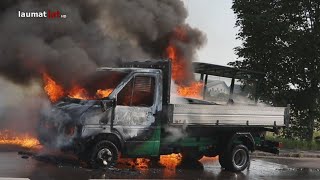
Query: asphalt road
[47,167]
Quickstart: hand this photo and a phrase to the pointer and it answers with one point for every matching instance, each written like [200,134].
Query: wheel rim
[240,158]
[105,156]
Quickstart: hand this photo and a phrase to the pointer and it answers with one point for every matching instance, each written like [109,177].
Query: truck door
[135,115]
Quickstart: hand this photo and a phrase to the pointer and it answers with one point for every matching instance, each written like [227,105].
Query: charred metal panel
[138,127]
[71,119]
[129,121]
[96,116]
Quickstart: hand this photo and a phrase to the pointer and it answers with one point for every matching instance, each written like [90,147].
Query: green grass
[295,144]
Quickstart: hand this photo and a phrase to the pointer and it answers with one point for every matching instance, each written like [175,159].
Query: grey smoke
[19,106]
[95,33]
[175,133]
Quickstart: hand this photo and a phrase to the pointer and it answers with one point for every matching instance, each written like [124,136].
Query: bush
[294,143]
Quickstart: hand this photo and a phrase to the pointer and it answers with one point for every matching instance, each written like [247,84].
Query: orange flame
[193,90]
[137,163]
[180,71]
[78,92]
[53,89]
[170,161]
[56,91]
[103,93]
[8,137]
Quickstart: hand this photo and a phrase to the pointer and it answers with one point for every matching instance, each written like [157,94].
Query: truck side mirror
[103,106]
[106,104]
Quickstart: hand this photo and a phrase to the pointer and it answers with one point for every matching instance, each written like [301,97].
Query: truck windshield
[99,85]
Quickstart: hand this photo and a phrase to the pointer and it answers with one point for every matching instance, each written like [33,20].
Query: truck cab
[137,106]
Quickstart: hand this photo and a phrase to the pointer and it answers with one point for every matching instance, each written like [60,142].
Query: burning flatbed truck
[137,119]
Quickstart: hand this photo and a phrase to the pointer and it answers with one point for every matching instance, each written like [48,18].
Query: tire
[104,155]
[235,160]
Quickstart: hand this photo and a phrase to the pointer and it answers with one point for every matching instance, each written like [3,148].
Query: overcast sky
[217,20]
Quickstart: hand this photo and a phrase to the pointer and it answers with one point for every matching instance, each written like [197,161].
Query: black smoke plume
[95,33]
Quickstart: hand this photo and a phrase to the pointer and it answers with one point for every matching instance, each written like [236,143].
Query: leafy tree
[282,39]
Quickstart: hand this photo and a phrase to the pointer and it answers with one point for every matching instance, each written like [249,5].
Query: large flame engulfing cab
[181,74]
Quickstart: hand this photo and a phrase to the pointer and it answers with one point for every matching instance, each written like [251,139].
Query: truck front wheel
[236,159]
[104,154]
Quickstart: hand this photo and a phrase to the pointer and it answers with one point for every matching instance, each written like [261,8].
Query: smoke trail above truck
[95,33]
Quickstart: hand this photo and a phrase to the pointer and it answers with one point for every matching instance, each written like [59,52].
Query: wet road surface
[13,165]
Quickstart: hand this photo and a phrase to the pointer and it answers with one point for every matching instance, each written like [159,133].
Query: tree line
[282,39]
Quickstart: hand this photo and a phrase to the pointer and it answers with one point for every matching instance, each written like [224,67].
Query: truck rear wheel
[104,154]
[236,159]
